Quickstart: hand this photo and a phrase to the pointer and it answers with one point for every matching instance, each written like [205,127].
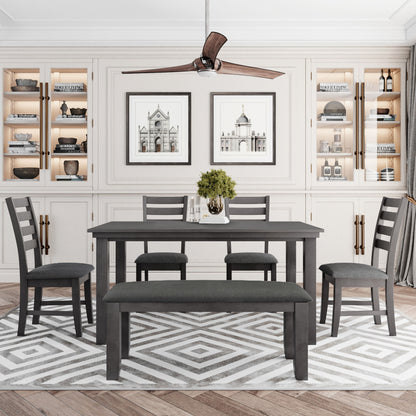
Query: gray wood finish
[295,335]
[249,207]
[288,231]
[21,210]
[391,210]
[155,207]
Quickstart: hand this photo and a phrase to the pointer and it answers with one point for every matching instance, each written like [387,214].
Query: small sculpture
[64,109]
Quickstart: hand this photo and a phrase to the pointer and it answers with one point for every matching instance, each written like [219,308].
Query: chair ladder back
[21,231]
[155,206]
[389,231]
[235,207]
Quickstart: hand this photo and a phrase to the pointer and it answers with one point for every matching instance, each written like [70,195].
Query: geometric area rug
[207,351]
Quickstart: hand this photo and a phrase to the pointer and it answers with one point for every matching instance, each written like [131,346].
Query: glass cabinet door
[335,124]
[22,124]
[67,143]
[381,117]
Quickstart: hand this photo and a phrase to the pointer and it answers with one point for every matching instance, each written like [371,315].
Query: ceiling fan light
[207,73]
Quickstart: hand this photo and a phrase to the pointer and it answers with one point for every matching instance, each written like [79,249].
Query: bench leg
[288,334]
[113,341]
[300,362]
[125,334]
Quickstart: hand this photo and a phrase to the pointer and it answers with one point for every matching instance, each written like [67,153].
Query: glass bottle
[337,169]
[382,82]
[326,169]
[389,82]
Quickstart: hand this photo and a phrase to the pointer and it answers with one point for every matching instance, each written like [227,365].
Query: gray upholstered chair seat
[60,271]
[352,271]
[162,258]
[250,257]
[207,291]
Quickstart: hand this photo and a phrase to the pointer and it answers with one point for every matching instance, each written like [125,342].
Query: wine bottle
[389,83]
[382,82]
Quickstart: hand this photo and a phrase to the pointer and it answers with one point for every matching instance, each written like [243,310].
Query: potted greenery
[215,185]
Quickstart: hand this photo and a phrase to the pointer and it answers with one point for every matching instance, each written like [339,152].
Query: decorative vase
[215,205]
[71,167]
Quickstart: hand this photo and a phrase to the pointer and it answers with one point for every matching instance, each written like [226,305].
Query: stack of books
[67,148]
[69,87]
[333,87]
[380,148]
[23,147]
[71,177]
[382,117]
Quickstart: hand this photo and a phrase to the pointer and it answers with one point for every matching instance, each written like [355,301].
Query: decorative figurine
[64,109]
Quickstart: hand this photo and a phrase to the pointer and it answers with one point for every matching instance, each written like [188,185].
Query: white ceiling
[181,22]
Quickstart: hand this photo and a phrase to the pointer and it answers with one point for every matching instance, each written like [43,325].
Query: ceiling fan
[208,64]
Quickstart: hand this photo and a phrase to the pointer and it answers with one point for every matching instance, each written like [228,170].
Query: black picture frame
[243,147]
[150,143]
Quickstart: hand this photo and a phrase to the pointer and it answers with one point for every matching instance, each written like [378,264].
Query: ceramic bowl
[26,173]
[23,136]
[22,82]
[383,111]
[78,111]
[67,140]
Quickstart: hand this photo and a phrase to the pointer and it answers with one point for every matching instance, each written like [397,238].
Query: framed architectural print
[158,128]
[243,128]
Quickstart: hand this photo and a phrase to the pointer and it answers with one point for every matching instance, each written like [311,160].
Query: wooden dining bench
[207,296]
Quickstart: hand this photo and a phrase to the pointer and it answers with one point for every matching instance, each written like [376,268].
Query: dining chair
[256,208]
[362,275]
[163,208]
[49,275]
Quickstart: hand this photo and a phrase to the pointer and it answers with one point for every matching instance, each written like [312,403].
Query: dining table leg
[291,261]
[102,285]
[120,261]
[309,283]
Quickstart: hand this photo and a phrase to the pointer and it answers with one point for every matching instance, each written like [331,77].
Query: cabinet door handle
[357,119]
[362,224]
[357,235]
[362,152]
[47,98]
[41,224]
[41,99]
[47,246]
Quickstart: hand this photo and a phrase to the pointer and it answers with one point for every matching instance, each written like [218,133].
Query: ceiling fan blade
[212,45]
[251,71]
[180,68]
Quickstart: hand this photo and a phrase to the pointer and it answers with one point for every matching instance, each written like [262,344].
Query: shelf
[75,123]
[333,95]
[332,124]
[75,96]
[21,154]
[69,154]
[382,96]
[26,123]
[386,124]
[22,96]
[329,154]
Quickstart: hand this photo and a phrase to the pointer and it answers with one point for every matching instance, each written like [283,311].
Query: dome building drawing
[243,138]
[158,135]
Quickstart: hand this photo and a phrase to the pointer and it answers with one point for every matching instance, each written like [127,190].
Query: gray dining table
[170,230]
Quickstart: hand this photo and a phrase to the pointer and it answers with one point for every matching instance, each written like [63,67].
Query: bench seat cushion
[60,271]
[250,258]
[162,257]
[352,271]
[207,291]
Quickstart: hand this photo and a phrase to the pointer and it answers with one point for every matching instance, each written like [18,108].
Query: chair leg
[23,309]
[183,271]
[375,300]
[390,308]
[265,275]
[138,272]
[88,300]
[229,271]
[324,299]
[146,275]
[37,304]
[273,273]
[336,312]
[76,306]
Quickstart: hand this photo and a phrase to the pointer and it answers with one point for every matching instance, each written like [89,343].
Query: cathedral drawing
[243,138]
[158,135]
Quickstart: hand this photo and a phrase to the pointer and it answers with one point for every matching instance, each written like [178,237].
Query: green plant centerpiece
[215,185]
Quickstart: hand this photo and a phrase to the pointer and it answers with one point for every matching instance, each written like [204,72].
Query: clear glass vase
[215,205]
